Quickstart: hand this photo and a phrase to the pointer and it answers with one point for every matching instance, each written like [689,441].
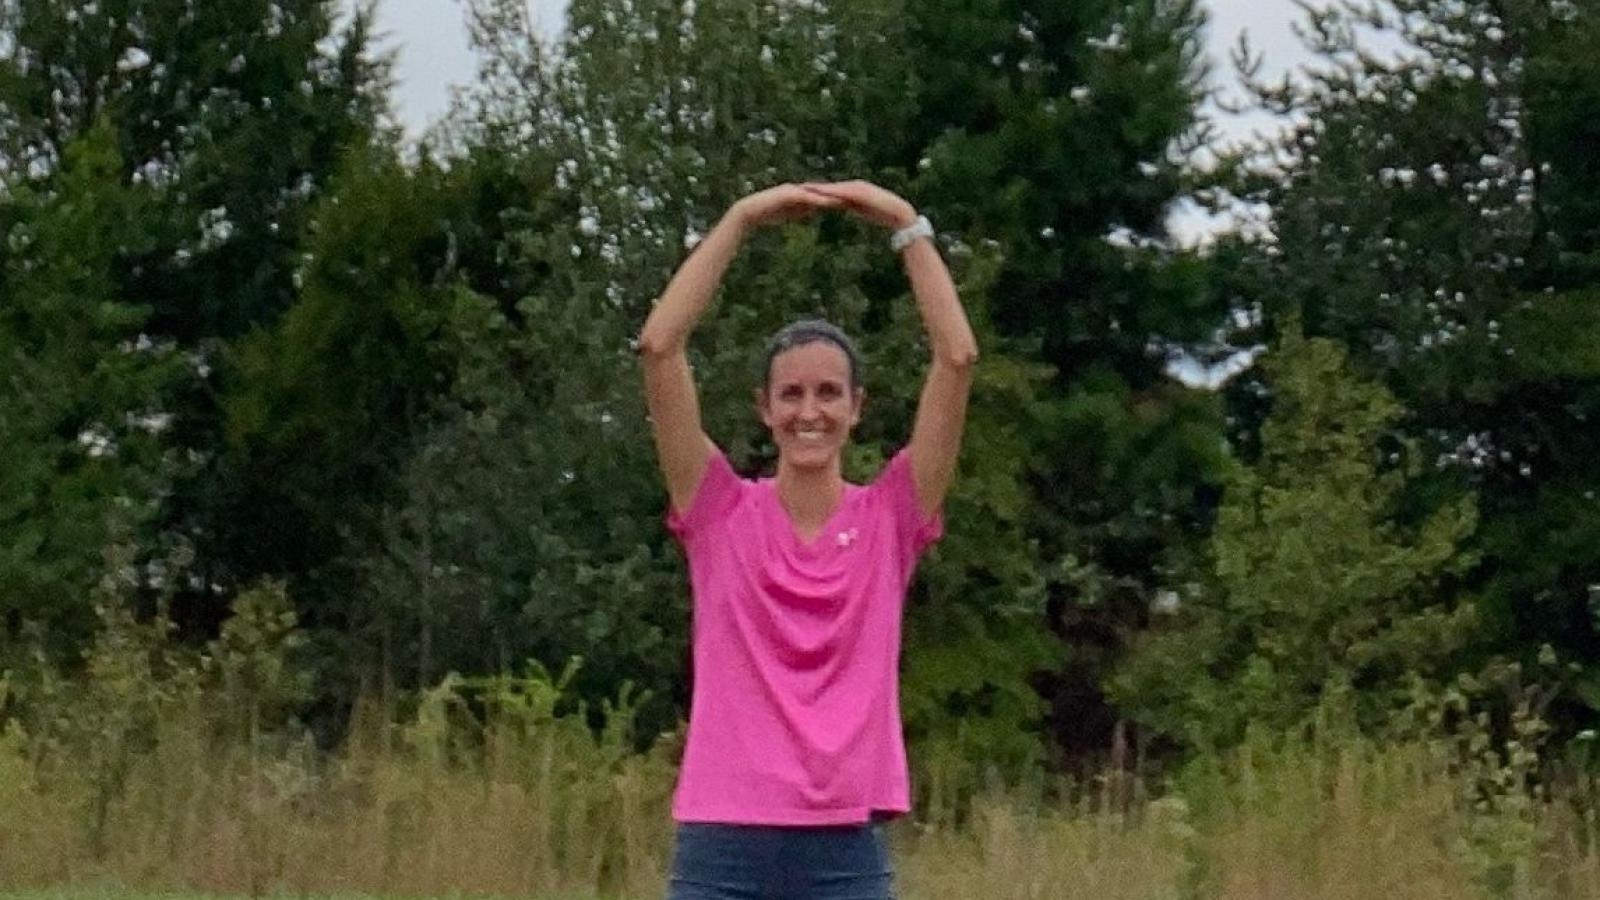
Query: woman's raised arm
[942,408]
[682,447]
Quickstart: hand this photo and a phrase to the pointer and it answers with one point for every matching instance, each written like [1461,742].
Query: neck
[810,494]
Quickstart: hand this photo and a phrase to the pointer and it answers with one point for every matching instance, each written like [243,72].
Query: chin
[811,458]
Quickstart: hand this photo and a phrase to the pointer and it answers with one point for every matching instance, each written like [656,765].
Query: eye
[790,392]
[829,391]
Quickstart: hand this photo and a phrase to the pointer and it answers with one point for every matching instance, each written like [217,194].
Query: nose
[810,408]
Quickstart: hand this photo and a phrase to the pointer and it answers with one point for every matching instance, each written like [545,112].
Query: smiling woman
[810,399]
[794,754]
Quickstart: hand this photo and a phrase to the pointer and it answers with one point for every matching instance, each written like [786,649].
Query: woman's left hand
[869,201]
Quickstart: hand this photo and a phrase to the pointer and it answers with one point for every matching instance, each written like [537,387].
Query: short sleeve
[718,493]
[899,490]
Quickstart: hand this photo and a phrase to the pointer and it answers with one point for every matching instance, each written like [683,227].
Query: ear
[856,404]
[761,406]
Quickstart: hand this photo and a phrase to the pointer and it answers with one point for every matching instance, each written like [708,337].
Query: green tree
[236,113]
[228,119]
[1433,214]
[1054,130]
[322,406]
[86,457]
[1318,581]
[1030,132]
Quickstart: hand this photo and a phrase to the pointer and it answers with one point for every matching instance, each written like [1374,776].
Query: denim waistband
[712,861]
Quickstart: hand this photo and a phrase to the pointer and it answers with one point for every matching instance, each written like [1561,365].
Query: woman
[794,753]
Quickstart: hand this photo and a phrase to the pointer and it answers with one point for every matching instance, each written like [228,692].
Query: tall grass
[150,779]
[534,805]
[506,800]
[1283,821]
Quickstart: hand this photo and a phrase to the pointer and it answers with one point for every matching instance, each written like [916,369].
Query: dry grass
[530,804]
[1357,822]
[1006,853]
[1348,826]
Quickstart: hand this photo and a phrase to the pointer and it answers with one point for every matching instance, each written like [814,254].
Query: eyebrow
[826,382]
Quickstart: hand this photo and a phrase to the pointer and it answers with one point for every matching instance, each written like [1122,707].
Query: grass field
[535,806]
[1359,829]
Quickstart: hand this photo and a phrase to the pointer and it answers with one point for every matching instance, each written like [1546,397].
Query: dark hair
[810,331]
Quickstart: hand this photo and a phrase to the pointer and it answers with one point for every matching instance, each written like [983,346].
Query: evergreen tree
[328,402]
[1433,214]
[1049,127]
[1055,130]
[86,459]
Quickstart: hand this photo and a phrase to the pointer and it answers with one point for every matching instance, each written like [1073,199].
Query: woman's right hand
[782,203]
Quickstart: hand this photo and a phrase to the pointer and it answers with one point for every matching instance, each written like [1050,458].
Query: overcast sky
[433,54]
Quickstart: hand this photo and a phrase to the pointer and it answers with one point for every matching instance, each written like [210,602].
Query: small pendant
[846,538]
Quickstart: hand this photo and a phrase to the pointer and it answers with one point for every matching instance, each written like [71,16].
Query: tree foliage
[1317,582]
[86,462]
[251,337]
[211,133]
[1430,212]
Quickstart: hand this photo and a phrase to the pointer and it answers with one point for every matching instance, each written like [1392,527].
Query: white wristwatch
[902,239]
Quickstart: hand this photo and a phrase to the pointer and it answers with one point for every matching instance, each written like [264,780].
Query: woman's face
[809,405]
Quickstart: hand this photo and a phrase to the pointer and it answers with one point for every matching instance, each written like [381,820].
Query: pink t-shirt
[795,718]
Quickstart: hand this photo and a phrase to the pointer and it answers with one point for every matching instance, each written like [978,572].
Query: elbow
[962,356]
[653,345]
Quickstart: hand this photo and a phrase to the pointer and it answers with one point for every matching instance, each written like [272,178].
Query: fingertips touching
[822,197]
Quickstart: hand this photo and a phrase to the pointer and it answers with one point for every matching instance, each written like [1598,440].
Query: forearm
[667,328]
[950,336]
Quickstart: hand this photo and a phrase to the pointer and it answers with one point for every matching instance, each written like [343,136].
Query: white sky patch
[151,422]
[430,38]
[97,441]
[134,59]
[1194,372]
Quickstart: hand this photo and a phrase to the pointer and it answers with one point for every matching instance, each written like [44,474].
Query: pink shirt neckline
[847,494]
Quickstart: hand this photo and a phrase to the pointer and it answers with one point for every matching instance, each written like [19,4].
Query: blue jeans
[769,862]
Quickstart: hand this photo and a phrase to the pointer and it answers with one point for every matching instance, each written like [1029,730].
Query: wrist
[737,217]
[904,237]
